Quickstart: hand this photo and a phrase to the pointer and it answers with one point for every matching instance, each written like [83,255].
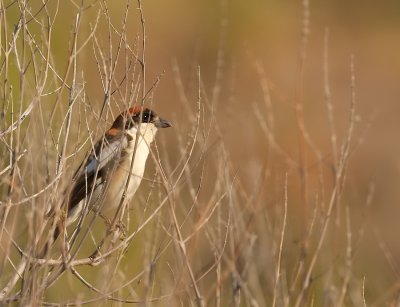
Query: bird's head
[135,117]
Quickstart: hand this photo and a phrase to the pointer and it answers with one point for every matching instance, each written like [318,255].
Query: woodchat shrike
[115,165]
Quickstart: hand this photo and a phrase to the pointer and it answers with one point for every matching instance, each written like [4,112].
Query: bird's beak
[162,123]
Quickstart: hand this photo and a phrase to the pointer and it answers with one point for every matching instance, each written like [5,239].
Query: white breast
[118,181]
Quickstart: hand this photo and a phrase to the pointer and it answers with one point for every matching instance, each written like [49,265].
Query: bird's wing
[96,167]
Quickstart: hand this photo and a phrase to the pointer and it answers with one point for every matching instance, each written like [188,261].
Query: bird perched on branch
[114,169]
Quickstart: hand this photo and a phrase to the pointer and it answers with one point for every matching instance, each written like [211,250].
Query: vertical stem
[278,265]
[143,59]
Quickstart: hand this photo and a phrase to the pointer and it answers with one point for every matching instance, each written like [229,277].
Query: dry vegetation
[267,221]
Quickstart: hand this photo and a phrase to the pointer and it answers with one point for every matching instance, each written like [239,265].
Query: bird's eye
[145,117]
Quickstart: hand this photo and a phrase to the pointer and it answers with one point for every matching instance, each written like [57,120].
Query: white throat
[147,133]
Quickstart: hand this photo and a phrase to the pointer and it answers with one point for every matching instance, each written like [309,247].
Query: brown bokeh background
[190,33]
[241,46]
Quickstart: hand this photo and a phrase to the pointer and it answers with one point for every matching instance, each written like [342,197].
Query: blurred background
[267,72]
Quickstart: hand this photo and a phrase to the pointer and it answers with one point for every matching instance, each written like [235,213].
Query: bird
[114,167]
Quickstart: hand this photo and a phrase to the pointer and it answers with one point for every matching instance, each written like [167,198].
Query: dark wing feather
[96,167]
